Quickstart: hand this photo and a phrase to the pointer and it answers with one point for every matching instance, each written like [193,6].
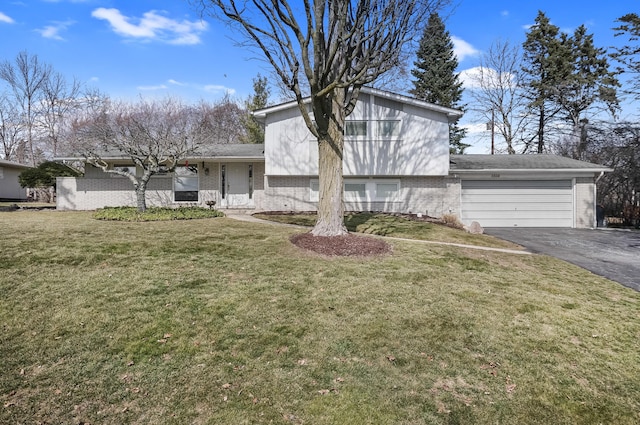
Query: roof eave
[531,170]
[261,114]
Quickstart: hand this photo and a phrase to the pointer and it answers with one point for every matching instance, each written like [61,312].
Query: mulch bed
[349,245]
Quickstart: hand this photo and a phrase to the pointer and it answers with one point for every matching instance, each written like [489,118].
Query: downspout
[595,199]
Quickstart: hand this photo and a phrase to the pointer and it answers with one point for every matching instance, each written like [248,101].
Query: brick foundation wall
[433,196]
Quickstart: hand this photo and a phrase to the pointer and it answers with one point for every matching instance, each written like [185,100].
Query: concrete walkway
[251,219]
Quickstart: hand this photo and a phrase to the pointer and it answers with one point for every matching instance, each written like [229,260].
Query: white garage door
[522,203]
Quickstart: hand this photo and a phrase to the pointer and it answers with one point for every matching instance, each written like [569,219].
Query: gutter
[530,170]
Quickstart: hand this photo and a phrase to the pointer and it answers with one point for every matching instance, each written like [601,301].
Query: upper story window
[355,128]
[376,130]
[388,128]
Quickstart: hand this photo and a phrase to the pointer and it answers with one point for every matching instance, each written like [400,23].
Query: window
[185,183]
[386,190]
[368,190]
[223,180]
[125,168]
[355,190]
[388,129]
[314,191]
[355,128]
[250,181]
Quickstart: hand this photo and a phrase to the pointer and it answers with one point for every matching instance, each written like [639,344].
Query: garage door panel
[516,184]
[517,199]
[518,203]
[522,206]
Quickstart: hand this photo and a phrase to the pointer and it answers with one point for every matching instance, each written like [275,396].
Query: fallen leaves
[164,338]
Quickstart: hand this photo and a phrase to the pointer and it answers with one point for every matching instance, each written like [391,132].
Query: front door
[236,178]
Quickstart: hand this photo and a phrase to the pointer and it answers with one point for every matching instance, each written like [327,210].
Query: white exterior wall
[585,203]
[98,189]
[90,194]
[421,149]
[9,185]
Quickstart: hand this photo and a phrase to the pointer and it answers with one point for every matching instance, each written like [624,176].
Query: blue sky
[128,48]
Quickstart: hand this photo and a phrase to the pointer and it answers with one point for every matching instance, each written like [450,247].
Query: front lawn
[398,227]
[217,321]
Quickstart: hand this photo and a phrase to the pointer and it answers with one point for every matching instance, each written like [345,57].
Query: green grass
[397,227]
[222,322]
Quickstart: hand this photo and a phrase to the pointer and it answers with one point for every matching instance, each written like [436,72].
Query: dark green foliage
[45,174]
[436,80]
[258,100]
[546,65]
[155,214]
[629,54]
[565,77]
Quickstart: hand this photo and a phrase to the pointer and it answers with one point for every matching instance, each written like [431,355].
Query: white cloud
[153,26]
[470,78]
[476,128]
[6,19]
[462,49]
[219,88]
[53,31]
[152,88]
[504,13]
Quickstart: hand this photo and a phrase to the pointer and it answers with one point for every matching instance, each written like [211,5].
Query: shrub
[452,220]
[155,213]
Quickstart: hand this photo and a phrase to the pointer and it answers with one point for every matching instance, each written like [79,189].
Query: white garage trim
[521,203]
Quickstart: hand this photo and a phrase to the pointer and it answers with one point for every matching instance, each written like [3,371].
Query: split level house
[396,159]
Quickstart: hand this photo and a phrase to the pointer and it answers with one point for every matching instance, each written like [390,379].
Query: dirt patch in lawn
[349,245]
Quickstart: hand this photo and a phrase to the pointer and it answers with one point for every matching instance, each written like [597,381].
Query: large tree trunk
[330,153]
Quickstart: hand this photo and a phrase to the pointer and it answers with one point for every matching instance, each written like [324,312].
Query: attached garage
[521,203]
[526,190]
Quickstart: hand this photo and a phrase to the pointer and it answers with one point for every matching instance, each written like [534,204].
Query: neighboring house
[396,159]
[10,189]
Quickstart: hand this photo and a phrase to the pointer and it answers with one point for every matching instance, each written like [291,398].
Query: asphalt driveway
[614,254]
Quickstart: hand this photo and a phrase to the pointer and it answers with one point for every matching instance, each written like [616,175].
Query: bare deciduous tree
[11,128]
[333,48]
[26,78]
[497,93]
[155,135]
[60,99]
[223,120]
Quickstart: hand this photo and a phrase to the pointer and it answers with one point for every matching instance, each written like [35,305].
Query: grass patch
[155,213]
[221,321]
[398,227]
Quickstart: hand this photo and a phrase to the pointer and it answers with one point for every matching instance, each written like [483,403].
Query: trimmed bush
[155,214]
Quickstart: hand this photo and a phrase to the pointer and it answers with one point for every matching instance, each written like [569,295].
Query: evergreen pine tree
[258,100]
[629,54]
[547,64]
[436,80]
